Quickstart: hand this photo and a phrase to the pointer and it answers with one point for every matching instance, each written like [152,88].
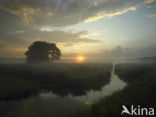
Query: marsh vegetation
[141,90]
[21,80]
[46,89]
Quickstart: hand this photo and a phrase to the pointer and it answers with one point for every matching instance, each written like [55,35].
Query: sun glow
[80,58]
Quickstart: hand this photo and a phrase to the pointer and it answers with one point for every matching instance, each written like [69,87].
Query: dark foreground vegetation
[141,90]
[22,80]
[131,72]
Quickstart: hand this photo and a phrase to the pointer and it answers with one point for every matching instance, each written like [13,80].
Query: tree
[40,51]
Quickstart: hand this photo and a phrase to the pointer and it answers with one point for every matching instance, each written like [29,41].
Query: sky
[96,29]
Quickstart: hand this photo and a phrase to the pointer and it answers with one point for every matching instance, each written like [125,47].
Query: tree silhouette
[40,51]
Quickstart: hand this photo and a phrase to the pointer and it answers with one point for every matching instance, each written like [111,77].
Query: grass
[13,88]
[130,72]
[22,80]
[141,90]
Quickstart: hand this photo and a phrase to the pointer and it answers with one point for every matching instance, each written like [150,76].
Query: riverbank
[22,80]
[140,91]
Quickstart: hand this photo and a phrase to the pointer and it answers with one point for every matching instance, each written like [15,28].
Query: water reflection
[61,79]
[52,105]
[114,85]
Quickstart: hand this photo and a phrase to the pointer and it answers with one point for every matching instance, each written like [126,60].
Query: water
[92,96]
[114,85]
[52,105]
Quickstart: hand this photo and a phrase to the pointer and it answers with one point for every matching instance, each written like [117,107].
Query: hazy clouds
[68,12]
[17,40]
[120,52]
[21,20]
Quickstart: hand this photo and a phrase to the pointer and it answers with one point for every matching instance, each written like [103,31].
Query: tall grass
[130,72]
[140,91]
[60,78]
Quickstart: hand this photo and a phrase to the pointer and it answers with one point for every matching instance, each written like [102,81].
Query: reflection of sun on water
[80,58]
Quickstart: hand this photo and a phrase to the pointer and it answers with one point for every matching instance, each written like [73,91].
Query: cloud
[110,14]
[151,6]
[57,36]
[68,12]
[120,52]
[151,16]
[18,41]
[24,12]
[66,37]
[85,34]
[21,20]
[117,12]
[2,42]
[149,1]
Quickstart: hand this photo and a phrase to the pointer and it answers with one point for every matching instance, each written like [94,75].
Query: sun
[80,58]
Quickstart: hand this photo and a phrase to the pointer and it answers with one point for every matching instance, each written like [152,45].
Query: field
[22,80]
[141,90]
